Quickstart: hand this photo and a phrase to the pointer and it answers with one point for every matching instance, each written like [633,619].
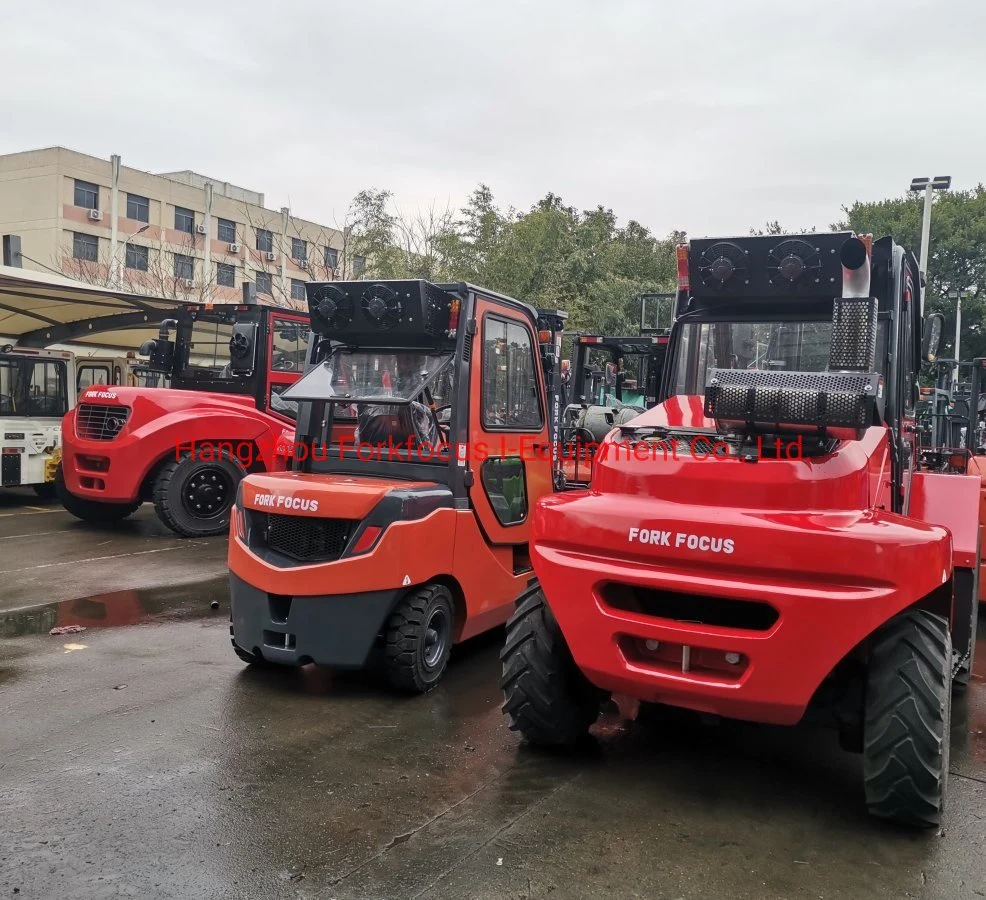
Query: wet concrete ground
[140,758]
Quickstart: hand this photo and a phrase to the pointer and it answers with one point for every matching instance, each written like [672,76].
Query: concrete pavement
[141,758]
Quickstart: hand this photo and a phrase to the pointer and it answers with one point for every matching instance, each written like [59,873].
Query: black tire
[194,496]
[258,662]
[91,510]
[908,715]
[418,639]
[547,699]
[46,491]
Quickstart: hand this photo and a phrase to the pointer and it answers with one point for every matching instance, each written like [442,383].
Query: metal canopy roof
[38,309]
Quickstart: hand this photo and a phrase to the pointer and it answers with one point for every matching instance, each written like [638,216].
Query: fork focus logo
[677,539]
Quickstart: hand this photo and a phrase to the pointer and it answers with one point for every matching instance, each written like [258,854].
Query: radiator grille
[308,539]
[100,422]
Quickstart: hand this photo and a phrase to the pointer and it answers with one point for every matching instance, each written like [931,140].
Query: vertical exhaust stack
[855,258]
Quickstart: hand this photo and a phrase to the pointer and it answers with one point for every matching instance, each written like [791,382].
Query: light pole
[958,296]
[928,185]
[115,262]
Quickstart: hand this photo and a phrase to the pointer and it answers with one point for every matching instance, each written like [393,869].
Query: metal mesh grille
[821,399]
[853,334]
[99,422]
[308,539]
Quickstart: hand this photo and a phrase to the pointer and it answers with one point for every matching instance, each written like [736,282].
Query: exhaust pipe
[855,258]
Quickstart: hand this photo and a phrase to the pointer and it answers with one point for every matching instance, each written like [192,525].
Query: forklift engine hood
[323,496]
[148,404]
[675,439]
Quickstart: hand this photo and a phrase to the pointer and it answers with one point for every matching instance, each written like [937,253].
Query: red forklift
[186,447]
[426,433]
[762,544]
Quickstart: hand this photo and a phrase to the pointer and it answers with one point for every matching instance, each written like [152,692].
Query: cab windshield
[377,376]
[767,346]
[32,386]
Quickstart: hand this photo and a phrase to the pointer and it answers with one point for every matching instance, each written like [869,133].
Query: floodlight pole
[925,237]
[929,186]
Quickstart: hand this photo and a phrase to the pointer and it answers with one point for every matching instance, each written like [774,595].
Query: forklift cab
[446,385]
[248,349]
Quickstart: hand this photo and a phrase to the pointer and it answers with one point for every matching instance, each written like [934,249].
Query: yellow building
[174,234]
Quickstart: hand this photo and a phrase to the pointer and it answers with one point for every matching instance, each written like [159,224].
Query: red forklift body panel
[160,423]
[797,573]
[951,501]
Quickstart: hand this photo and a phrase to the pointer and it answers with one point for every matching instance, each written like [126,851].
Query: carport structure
[38,310]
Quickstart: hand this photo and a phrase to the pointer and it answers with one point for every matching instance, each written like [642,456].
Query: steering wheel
[584,435]
[443,428]
[283,365]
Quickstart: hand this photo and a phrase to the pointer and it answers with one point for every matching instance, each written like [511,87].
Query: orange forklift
[427,431]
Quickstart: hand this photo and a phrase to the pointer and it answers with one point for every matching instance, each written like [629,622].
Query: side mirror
[931,337]
[243,348]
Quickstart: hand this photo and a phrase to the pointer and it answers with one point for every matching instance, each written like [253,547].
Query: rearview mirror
[931,336]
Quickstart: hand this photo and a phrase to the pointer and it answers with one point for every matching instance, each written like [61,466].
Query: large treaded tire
[418,639]
[91,510]
[170,500]
[907,720]
[547,699]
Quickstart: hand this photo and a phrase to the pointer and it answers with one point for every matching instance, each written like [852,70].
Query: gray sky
[710,116]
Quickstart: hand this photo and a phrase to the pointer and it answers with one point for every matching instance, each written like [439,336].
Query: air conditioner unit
[234,248]
[200,229]
[95,215]
[188,282]
[302,263]
[271,257]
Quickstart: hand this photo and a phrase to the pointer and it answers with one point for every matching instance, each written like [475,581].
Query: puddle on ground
[121,608]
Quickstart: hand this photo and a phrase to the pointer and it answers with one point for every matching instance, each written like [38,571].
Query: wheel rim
[436,637]
[206,494]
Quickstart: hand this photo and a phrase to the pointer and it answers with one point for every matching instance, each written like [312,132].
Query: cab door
[510,454]
[287,346]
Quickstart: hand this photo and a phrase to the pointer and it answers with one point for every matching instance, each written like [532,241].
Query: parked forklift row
[850,588]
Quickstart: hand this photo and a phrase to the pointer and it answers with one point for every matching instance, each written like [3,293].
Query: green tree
[956,258]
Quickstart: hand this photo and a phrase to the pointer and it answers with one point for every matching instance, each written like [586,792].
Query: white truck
[37,388]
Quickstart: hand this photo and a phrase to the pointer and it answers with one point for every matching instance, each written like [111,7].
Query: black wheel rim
[436,637]
[207,492]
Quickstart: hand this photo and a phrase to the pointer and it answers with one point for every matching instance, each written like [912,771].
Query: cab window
[510,384]
[92,375]
[289,345]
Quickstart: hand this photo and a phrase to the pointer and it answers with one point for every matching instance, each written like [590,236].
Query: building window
[264,284]
[265,241]
[184,220]
[225,275]
[359,265]
[184,266]
[331,258]
[136,257]
[86,194]
[85,246]
[226,231]
[299,249]
[297,289]
[138,208]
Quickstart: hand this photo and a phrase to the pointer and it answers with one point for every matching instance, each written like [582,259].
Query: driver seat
[382,425]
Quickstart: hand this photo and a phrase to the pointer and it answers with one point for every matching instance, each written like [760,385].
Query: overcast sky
[709,116]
